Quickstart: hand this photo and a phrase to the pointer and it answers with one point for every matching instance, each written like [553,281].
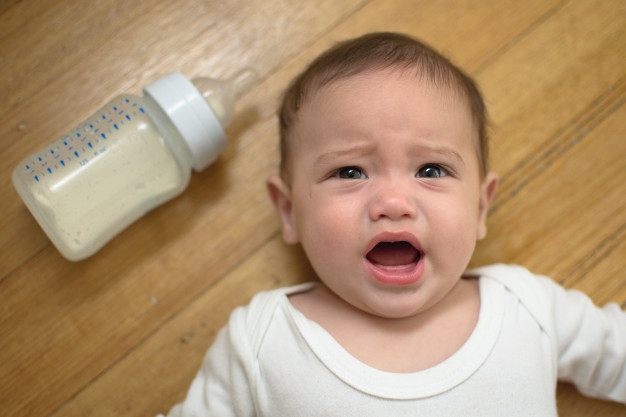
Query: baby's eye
[432,171]
[350,173]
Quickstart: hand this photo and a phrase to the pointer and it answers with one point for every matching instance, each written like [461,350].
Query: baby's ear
[280,194]
[487,192]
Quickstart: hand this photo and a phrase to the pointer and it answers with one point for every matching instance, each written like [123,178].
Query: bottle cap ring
[193,117]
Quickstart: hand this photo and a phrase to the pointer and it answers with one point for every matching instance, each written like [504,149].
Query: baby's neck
[404,345]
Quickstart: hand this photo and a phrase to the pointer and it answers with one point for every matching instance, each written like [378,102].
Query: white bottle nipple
[222,94]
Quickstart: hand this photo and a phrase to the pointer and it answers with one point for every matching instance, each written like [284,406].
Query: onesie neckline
[426,383]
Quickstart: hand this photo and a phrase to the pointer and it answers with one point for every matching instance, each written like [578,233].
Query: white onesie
[270,360]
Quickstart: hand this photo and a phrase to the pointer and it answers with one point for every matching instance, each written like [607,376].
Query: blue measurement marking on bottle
[85,142]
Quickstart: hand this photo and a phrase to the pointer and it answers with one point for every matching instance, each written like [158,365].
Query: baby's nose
[392,200]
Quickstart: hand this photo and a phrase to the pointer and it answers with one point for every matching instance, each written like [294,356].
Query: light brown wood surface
[123,332]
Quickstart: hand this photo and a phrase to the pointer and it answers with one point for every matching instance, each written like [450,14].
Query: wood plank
[573,201]
[603,277]
[201,40]
[164,364]
[114,291]
[571,403]
[7,4]
[175,256]
[158,293]
[470,33]
[548,78]
[150,353]
[41,41]
[604,280]
[126,44]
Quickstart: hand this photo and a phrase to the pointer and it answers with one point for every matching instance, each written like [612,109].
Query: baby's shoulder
[252,320]
[515,278]
[533,292]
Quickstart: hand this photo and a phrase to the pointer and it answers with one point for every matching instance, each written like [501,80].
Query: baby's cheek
[324,237]
[458,228]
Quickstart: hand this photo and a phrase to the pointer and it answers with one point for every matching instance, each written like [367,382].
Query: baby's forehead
[321,112]
[382,79]
[390,86]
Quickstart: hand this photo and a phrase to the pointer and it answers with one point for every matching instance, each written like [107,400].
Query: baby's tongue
[393,254]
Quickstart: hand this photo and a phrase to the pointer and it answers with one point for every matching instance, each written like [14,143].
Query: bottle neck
[221,95]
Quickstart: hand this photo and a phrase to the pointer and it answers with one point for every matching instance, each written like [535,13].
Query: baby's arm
[591,344]
[221,386]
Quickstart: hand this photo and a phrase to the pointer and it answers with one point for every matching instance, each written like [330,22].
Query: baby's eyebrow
[429,149]
[350,151]
[420,150]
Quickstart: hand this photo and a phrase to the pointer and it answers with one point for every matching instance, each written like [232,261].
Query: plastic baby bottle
[132,155]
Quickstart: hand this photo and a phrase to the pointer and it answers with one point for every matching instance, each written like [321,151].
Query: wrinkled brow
[348,151]
[419,150]
[445,152]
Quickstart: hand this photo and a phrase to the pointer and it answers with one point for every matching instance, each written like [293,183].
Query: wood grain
[123,332]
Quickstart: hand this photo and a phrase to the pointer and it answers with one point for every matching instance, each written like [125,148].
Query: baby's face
[385,195]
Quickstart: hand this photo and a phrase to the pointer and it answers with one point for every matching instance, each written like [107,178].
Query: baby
[384,181]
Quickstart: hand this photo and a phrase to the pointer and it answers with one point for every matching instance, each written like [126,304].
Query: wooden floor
[122,333]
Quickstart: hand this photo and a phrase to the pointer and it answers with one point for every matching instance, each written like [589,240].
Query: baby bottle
[132,155]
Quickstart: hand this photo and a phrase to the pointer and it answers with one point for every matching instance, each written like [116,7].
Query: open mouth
[394,254]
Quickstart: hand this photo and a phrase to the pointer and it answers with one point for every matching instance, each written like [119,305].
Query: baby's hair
[374,52]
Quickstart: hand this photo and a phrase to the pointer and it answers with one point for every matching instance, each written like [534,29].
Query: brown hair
[373,52]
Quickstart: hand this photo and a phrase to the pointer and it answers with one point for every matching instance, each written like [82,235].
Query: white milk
[134,154]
